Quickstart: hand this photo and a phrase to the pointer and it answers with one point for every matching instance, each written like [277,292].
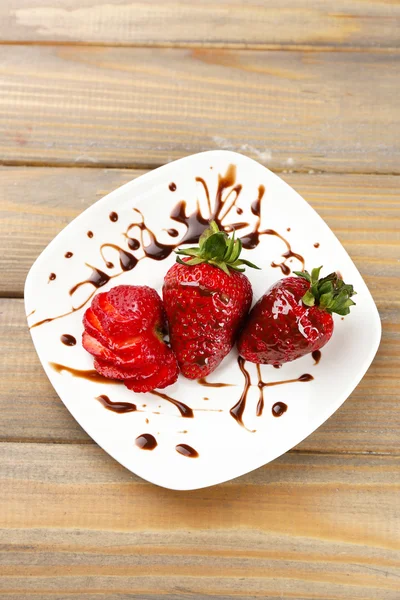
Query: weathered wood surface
[254,23]
[369,421]
[363,211]
[74,524]
[63,105]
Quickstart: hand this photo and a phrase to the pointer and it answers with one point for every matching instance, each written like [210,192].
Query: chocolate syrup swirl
[126,259]
[117,407]
[186,411]
[238,409]
[286,255]
[89,374]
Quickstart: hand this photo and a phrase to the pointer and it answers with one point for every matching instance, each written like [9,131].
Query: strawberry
[294,317]
[206,296]
[124,332]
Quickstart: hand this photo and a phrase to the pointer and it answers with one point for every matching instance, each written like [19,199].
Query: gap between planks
[90,442]
[151,167]
[210,45]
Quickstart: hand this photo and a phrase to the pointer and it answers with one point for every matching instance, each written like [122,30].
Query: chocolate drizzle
[126,259]
[89,374]
[172,186]
[186,411]
[203,381]
[113,216]
[286,255]
[238,409]
[117,407]
[52,276]
[316,245]
[146,441]
[97,279]
[279,408]
[186,450]
[68,340]
[316,356]
[68,254]
[90,234]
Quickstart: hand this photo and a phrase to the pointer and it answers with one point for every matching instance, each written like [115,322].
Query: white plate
[225,448]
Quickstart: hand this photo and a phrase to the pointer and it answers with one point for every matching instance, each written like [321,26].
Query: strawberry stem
[218,249]
[330,293]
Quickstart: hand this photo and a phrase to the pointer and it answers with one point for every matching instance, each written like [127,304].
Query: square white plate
[225,448]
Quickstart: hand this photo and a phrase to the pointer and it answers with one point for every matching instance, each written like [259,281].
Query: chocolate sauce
[286,255]
[260,403]
[31,313]
[52,276]
[316,356]
[203,381]
[173,232]
[237,411]
[68,339]
[154,249]
[172,186]
[205,186]
[126,259]
[239,210]
[133,244]
[316,245]
[186,450]
[279,408]
[195,223]
[68,254]
[117,407]
[185,410]
[252,239]
[146,441]
[89,374]
[90,234]
[97,278]
[113,217]
[288,229]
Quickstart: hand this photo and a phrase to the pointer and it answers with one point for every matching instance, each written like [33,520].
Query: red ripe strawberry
[124,332]
[206,297]
[294,317]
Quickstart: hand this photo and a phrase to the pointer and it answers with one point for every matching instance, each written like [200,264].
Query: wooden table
[95,92]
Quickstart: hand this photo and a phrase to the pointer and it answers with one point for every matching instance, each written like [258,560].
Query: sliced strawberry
[96,348]
[166,375]
[93,326]
[113,371]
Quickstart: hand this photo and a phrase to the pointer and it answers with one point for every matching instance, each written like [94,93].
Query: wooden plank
[37,203]
[141,107]
[369,420]
[73,523]
[207,22]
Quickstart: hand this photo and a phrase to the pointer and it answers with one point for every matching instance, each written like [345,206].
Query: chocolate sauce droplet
[239,210]
[279,408]
[316,245]
[288,229]
[113,216]
[186,450]
[90,234]
[52,276]
[146,441]
[133,244]
[68,254]
[173,232]
[117,407]
[126,259]
[68,339]
[172,186]
[316,356]
[305,377]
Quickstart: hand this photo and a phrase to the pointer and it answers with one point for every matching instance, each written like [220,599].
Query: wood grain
[73,523]
[363,211]
[372,23]
[30,410]
[335,111]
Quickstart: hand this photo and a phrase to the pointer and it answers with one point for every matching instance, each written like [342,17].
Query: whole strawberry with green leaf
[294,318]
[206,297]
